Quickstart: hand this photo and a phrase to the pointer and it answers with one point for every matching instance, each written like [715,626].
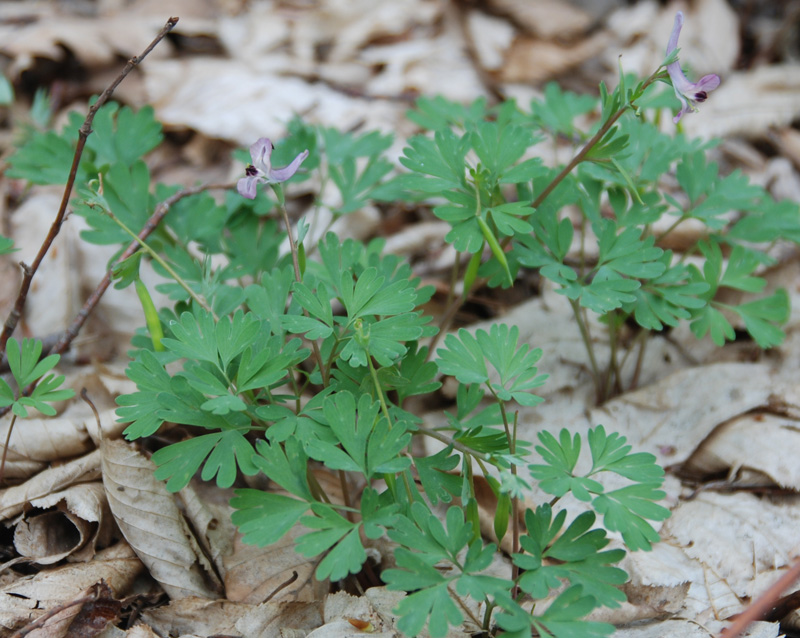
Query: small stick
[89,305]
[763,604]
[83,133]
[41,620]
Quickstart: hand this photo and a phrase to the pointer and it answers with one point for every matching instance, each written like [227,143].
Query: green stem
[587,342]
[297,274]
[478,456]
[157,258]
[581,155]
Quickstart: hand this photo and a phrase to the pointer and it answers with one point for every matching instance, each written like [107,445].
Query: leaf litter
[704,413]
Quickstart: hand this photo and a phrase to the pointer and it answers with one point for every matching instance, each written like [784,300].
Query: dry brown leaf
[81,509]
[734,538]
[535,61]
[491,37]
[193,615]
[206,507]
[763,442]
[80,470]
[93,42]
[691,629]
[81,617]
[277,620]
[546,18]
[228,100]
[670,418]
[152,523]
[32,596]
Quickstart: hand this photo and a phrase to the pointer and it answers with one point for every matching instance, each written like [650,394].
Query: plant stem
[297,274]
[587,341]
[161,262]
[5,447]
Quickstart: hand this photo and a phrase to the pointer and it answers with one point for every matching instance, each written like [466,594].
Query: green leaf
[369,445]
[220,453]
[262,517]
[24,361]
[463,358]
[284,464]
[434,603]
[627,511]
[610,453]
[556,474]
[760,316]
[140,408]
[573,555]
[123,135]
[7,245]
[337,534]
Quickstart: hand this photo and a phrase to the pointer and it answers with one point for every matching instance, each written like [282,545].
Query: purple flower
[261,171]
[690,94]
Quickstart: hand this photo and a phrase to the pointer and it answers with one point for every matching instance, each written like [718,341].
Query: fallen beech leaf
[80,521]
[151,522]
[85,468]
[34,595]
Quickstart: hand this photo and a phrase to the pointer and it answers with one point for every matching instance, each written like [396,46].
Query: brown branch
[149,226]
[83,133]
[89,305]
[41,620]
[763,604]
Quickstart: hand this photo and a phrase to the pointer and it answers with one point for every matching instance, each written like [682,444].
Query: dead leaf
[80,470]
[535,61]
[763,442]
[193,615]
[151,522]
[79,523]
[34,595]
[670,418]
[547,19]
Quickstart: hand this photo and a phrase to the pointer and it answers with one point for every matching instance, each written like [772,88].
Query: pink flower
[261,171]
[690,94]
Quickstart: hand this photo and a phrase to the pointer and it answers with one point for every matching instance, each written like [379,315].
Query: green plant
[291,362]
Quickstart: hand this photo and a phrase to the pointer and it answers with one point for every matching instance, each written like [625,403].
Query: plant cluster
[292,361]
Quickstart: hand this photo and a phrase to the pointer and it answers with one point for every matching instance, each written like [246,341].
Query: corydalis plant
[689,93]
[262,171]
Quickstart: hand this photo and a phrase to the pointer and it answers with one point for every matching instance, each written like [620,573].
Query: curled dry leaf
[54,479]
[32,596]
[737,542]
[691,629]
[280,619]
[765,443]
[80,522]
[152,523]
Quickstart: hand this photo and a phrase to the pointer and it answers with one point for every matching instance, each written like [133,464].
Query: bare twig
[763,604]
[89,305]
[83,133]
[41,620]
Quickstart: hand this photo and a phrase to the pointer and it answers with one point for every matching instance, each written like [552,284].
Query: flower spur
[261,170]
[689,93]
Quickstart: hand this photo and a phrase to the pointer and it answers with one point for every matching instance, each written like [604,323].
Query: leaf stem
[278,190]
[587,342]
[5,447]
[157,258]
